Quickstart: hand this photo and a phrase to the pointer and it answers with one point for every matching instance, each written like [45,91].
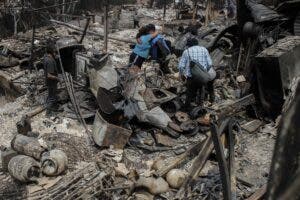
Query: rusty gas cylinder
[24,168]
[28,146]
[54,162]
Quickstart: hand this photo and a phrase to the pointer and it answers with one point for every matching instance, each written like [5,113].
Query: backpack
[163,47]
[160,48]
[199,73]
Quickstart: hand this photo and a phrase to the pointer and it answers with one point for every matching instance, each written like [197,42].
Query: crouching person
[160,50]
[141,50]
[195,67]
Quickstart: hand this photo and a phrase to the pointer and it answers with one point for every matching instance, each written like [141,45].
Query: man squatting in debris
[51,78]
[200,55]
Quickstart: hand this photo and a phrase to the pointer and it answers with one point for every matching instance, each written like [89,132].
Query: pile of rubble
[122,133]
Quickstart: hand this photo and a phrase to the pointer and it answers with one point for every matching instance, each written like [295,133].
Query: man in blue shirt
[201,56]
[142,48]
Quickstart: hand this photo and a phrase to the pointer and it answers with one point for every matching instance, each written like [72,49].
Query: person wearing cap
[200,55]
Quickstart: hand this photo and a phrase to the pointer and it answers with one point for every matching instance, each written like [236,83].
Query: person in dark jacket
[51,78]
[160,50]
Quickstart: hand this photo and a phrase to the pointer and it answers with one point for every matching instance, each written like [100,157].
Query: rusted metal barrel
[54,162]
[28,146]
[24,168]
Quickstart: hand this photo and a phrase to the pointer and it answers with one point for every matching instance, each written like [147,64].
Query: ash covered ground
[135,171]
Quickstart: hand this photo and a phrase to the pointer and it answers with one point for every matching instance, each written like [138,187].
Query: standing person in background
[141,50]
[178,4]
[51,78]
[200,55]
[136,20]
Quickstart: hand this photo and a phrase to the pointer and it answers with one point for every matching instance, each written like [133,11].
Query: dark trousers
[211,91]
[192,89]
[164,66]
[136,24]
[136,60]
[51,102]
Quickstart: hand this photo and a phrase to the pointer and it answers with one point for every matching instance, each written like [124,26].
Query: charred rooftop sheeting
[260,12]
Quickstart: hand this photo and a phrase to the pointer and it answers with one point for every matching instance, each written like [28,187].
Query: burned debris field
[150,99]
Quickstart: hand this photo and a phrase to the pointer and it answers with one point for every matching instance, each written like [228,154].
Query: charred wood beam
[70,15]
[231,161]
[165,9]
[244,182]
[235,107]
[259,194]
[36,111]
[106,9]
[76,28]
[53,6]
[223,168]
[227,169]
[201,160]
[197,166]
[31,64]
[192,151]
[85,29]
